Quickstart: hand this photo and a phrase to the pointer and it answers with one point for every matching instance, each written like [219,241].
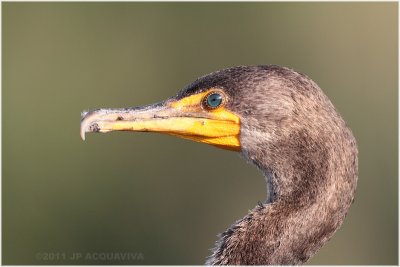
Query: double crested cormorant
[283,123]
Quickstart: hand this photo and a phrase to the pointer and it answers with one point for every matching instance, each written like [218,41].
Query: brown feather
[294,135]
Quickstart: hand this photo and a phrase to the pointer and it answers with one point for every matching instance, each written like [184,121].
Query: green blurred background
[159,196]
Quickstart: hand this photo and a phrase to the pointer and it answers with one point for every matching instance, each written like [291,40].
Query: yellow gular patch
[194,103]
[219,127]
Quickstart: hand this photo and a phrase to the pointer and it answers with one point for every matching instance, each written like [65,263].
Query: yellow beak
[184,118]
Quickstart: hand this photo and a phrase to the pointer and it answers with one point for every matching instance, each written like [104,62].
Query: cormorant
[283,123]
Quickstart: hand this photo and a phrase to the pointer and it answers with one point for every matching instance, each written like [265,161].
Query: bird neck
[311,186]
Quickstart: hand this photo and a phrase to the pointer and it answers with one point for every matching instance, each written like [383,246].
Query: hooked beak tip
[89,124]
[83,124]
[83,134]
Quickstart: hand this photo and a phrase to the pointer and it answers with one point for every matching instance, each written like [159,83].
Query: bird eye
[213,100]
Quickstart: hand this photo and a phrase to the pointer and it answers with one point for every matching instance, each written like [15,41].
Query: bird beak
[185,118]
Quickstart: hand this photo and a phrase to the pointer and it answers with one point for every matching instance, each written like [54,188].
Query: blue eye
[214,100]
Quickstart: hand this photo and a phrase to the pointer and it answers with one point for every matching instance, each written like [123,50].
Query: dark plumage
[294,135]
[291,131]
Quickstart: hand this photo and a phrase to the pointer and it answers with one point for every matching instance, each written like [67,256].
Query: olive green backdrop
[161,199]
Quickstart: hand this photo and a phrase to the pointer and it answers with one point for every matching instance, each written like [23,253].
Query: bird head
[227,109]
